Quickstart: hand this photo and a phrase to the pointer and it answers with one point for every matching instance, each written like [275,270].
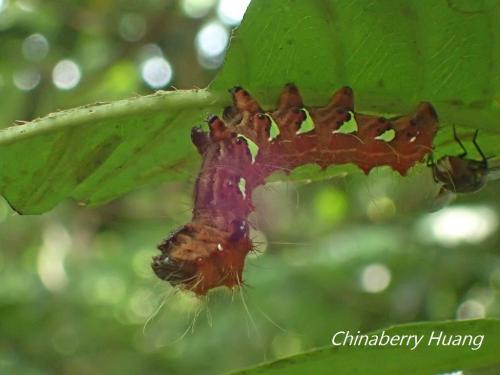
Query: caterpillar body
[210,251]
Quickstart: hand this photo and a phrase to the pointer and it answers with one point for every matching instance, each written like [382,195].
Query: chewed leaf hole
[274,131]
[348,126]
[387,136]
[307,124]
[254,149]
[242,186]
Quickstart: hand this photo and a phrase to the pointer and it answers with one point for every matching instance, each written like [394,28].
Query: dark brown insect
[460,174]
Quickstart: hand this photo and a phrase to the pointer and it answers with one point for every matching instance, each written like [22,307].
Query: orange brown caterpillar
[210,250]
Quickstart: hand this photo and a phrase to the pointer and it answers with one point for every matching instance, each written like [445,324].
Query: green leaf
[96,153]
[394,54]
[425,359]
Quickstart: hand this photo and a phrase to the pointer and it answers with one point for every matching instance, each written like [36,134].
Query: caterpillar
[210,251]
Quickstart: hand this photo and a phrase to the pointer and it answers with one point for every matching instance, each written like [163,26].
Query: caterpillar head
[200,257]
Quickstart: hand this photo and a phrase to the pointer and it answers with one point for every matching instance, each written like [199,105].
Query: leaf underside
[393,54]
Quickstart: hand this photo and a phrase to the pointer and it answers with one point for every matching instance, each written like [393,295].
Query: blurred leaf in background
[60,54]
[77,294]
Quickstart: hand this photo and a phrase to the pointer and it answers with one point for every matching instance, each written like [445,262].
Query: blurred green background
[77,295]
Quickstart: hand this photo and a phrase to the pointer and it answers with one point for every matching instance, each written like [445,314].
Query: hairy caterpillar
[210,251]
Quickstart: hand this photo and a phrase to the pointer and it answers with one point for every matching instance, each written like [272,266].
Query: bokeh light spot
[211,42]
[26,79]
[471,309]
[212,39]
[197,8]
[231,11]
[50,262]
[66,75]
[453,225]
[156,72]
[35,47]
[375,278]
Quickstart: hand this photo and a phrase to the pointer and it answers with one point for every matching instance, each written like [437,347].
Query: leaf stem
[158,102]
